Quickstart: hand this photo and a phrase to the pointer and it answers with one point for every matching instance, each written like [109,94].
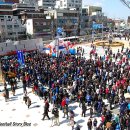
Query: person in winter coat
[95,123]
[65,111]
[91,112]
[28,102]
[6,94]
[89,124]
[77,127]
[63,103]
[72,119]
[46,110]
[84,109]
[55,118]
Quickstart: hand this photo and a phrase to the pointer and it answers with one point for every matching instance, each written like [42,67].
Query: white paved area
[16,111]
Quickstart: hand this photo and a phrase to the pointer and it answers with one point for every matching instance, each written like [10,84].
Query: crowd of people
[73,78]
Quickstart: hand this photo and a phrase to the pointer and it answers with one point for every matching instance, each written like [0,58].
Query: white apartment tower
[69,4]
[47,4]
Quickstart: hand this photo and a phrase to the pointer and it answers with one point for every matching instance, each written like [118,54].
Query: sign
[59,31]
[97,26]
[20,57]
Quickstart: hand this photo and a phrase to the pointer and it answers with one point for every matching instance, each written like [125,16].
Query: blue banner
[97,26]
[20,57]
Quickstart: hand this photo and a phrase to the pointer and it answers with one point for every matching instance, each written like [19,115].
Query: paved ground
[15,111]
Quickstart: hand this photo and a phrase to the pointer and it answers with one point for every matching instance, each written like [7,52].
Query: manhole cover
[35,124]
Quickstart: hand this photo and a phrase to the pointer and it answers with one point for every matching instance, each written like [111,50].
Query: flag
[20,57]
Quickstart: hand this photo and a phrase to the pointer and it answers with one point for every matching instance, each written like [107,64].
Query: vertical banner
[20,57]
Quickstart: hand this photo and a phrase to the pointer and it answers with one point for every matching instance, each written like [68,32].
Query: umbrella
[127,95]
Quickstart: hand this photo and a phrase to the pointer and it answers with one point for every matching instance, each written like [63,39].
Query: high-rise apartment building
[46,4]
[69,4]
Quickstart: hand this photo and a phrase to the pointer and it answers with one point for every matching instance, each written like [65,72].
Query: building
[128,21]
[10,26]
[92,9]
[46,4]
[67,19]
[30,2]
[37,25]
[68,4]
[18,7]
[10,1]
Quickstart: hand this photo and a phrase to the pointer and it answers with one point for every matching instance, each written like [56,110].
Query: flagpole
[102,30]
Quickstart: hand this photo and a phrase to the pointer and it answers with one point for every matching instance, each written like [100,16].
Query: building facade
[46,4]
[68,4]
[10,26]
[37,25]
[92,9]
[10,1]
[66,19]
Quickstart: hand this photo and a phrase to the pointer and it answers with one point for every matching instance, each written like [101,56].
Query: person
[55,118]
[89,124]
[77,127]
[72,119]
[91,112]
[25,97]
[28,103]
[65,111]
[46,110]
[95,123]
[6,94]
[84,109]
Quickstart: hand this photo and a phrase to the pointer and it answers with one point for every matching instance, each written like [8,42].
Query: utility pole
[78,28]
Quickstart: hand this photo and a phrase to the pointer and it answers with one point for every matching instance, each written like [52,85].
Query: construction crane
[126,3]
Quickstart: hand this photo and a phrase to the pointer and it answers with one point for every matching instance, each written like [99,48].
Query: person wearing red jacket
[63,103]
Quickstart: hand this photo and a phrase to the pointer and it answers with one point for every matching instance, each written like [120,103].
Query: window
[3,26]
[9,26]
[2,20]
[9,33]
[36,23]
[16,26]
[44,23]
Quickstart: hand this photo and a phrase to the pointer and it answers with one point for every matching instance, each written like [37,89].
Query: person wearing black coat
[46,110]
[77,127]
[83,109]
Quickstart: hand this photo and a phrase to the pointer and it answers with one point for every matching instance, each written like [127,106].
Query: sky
[112,8]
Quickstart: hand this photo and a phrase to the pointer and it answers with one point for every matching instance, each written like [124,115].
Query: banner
[97,26]
[20,57]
